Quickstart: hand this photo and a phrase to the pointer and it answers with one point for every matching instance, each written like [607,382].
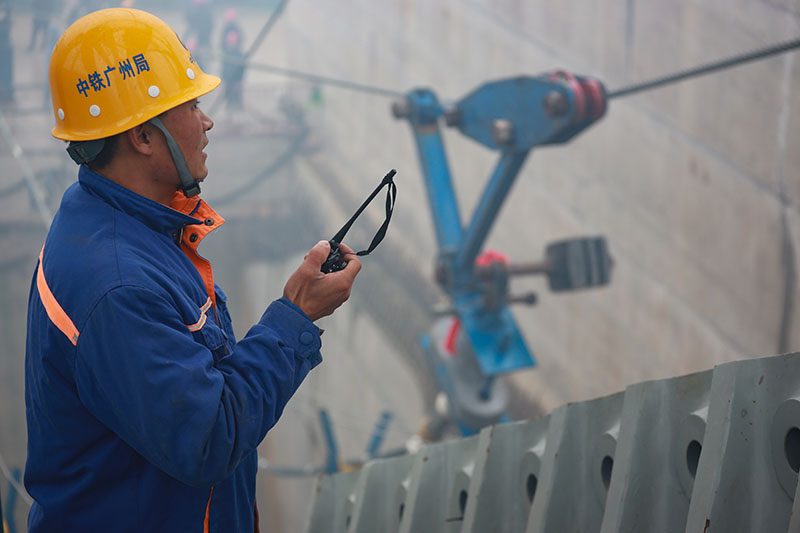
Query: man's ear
[141,138]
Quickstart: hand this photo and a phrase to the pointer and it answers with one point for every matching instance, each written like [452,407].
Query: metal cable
[652,84]
[705,69]
[291,73]
[322,80]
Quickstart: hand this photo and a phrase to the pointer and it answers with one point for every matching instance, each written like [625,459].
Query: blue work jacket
[143,411]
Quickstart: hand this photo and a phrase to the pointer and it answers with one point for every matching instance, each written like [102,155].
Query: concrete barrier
[332,511]
[380,495]
[577,466]
[505,477]
[660,441]
[715,451]
[747,476]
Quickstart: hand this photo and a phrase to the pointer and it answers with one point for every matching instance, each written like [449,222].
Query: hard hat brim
[206,84]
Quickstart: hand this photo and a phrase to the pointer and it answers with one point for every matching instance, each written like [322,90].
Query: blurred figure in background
[233,60]
[200,18]
[6,55]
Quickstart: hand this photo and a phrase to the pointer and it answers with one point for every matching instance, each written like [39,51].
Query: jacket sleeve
[140,371]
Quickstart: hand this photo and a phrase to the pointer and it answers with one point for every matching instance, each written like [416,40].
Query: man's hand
[319,294]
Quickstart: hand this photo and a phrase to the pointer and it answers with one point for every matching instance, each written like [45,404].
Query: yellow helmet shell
[117,68]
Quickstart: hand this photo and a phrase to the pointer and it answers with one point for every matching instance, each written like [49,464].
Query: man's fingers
[319,294]
[346,249]
[353,265]
[319,253]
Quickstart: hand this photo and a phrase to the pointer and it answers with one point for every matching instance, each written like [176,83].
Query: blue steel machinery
[479,339]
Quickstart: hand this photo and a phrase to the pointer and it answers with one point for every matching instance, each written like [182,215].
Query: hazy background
[695,186]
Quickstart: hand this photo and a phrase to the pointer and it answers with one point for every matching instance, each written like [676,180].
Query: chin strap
[189,185]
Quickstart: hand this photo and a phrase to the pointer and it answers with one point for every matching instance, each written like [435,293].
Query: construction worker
[233,60]
[144,412]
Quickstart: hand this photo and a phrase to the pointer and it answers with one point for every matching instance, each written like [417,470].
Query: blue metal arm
[423,116]
[485,213]
[511,116]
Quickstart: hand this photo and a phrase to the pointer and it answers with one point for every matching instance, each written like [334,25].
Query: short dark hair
[106,155]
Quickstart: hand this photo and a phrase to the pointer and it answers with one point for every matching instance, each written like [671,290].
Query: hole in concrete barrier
[347,522]
[693,456]
[462,502]
[605,470]
[531,486]
[400,513]
[791,446]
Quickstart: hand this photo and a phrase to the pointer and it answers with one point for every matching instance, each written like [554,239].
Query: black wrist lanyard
[391,195]
[335,262]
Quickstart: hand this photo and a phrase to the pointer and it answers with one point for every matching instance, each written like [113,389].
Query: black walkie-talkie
[335,261]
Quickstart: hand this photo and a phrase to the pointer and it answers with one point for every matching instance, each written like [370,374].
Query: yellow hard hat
[117,68]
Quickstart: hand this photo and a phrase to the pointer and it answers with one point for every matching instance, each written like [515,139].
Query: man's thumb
[319,253]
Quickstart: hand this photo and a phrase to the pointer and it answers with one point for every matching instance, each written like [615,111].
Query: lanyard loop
[391,196]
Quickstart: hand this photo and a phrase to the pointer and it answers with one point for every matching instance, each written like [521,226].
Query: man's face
[188,125]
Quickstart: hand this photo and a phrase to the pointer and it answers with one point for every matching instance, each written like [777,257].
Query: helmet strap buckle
[85,151]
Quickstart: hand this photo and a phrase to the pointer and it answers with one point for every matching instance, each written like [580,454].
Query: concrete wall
[695,185]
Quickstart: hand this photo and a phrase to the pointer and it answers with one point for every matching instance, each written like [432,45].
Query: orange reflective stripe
[54,311]
[202,320]
[199,324]
[208,509]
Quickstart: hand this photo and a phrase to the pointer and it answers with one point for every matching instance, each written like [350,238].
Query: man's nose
[207,122]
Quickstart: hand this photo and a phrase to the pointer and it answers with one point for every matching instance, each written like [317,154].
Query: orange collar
[196,208]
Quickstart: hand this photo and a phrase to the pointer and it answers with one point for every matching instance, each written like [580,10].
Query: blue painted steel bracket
[496,339]
[423,115]
[519,100]
[510,116]
[483,218]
